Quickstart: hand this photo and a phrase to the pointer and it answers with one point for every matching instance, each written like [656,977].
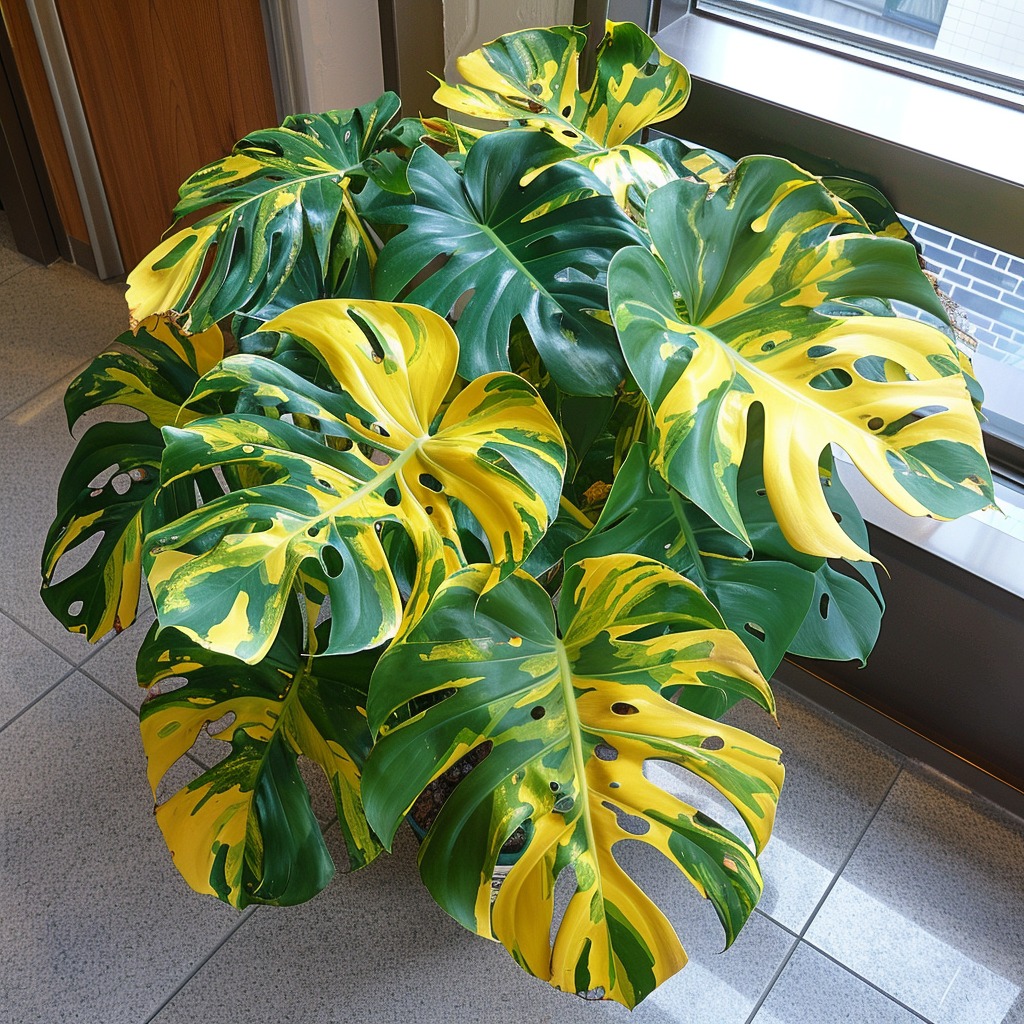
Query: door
[167,86]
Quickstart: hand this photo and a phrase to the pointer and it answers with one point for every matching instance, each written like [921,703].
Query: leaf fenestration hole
[755,630]
[554,787]
[431,482]
[220,724]
[622,708]
[712,743]
[629,823]
[563,805]
[613,785]
[392,497]
[761,492]
[333,563]
[831,380]
[538,712]
[605,752]
[566,111]
[75,608]
[121,483]
[376,349]
[168,685]
[876,423]
[823,606]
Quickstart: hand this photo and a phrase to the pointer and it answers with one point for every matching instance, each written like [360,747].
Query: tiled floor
[891,896]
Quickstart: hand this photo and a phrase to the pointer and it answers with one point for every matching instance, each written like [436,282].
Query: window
[945,151]
[974,39]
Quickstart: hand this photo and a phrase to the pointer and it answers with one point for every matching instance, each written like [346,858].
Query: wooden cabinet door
[167,86]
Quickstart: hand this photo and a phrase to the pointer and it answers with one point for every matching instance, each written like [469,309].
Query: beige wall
[341,59]
[469,23]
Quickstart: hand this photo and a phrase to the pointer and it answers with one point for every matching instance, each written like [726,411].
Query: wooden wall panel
[167,86]
[44,118]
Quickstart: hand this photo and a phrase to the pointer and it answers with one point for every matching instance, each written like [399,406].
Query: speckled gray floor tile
[931,906]
[27,668]
[835,779]
[55,318]
[95,925]
[814,990]
[113,665]
[374,948]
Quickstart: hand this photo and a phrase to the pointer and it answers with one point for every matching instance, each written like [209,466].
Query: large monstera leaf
[538,251]
[532,78]
[245,830]
[316,500]
[763,602]
[729,318]
[778,601]
[108,491]
[284,219]
[570,711]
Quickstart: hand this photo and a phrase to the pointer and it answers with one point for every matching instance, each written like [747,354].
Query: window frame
[914,690]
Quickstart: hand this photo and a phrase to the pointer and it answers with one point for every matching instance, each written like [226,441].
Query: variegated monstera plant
[519,461]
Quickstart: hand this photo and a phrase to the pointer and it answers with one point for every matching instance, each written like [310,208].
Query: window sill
[988,544]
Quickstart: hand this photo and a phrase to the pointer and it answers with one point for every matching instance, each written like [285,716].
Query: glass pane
[984,35]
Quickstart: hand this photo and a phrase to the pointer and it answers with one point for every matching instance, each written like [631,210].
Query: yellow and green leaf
[244,830]
[316,496]
[284,220]
[108,491]
[569,712]
[731,317]
[779,601]
[531,78]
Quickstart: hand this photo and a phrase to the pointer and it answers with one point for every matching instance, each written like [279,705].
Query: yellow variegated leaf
[244,830]
[317,494]
[567,714]
[108,490]
[531,77]
[732,317]
[283,223]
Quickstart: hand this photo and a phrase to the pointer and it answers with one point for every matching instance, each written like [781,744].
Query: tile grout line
[835,878]
[35,700]
[853,849]
[245,917]
[92,649]
[17,273]
[756,1009]
[870,984]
